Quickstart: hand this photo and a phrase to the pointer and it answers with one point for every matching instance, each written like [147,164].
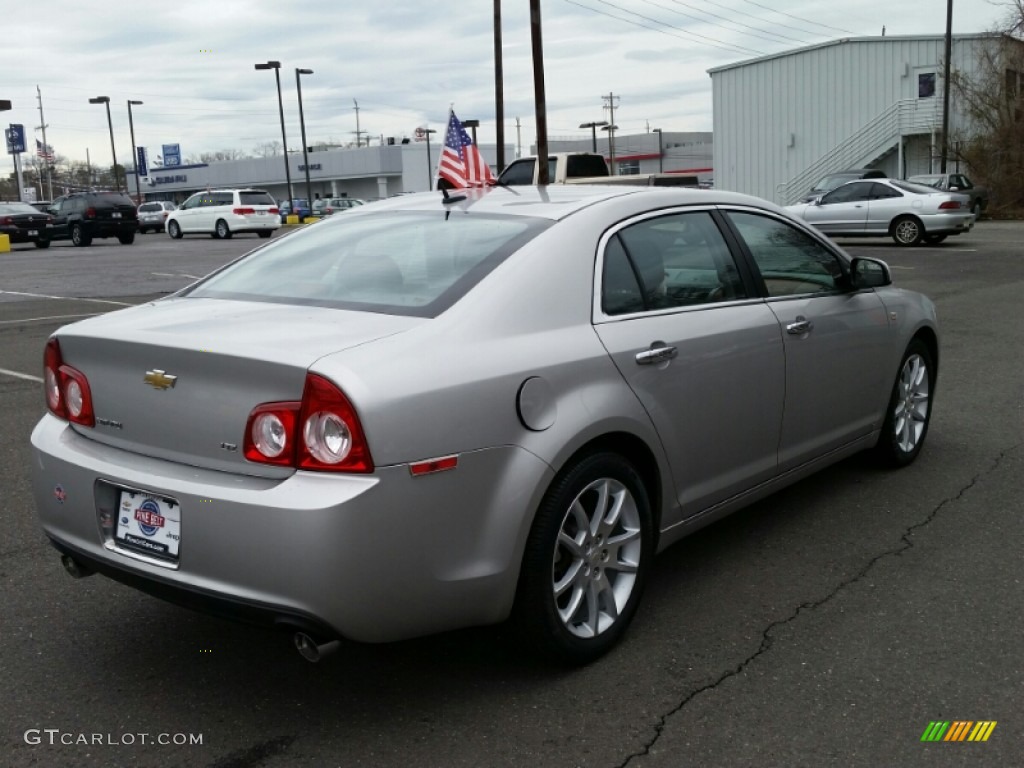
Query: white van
[225,212]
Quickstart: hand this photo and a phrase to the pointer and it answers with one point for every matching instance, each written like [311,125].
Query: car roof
[555,201]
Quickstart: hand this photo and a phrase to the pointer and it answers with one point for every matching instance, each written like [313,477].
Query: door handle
[800,326]
[658,352]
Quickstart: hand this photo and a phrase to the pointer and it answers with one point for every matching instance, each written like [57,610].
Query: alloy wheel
[910,416]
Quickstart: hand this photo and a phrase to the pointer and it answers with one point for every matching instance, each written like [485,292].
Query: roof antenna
[450,199]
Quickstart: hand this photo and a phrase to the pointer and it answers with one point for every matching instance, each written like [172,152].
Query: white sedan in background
[909,213]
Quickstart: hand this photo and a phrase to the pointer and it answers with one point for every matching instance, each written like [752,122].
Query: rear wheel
[586,560]
[933,239]
[78,236]
[910,408]
[907,230]
[976,209]
[174,230]
[127,239]
[265,233]
[142,230]
[223,231]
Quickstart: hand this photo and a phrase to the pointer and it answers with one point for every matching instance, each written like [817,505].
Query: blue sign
[141,169]
[172,155]
[15,135]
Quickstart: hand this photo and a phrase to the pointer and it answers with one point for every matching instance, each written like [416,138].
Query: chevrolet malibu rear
[321,437]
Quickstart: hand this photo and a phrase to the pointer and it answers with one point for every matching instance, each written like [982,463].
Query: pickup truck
[956,182]
[584,168]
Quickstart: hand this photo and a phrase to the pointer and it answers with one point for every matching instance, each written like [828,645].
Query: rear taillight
[6,220]
[90,213]
[273,210]
[949,205]
[67,390]
[243,211]
[321,433]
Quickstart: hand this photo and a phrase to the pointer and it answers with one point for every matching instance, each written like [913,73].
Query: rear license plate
[148,523]
[33,232]
[115,215]
[261,213]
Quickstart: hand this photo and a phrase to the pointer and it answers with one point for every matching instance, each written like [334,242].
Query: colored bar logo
[958,730]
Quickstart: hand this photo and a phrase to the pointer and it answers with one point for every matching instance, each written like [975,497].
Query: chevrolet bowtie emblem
[159,379]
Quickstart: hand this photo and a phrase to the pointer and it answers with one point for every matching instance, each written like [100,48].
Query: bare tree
[267,149]
[992,98]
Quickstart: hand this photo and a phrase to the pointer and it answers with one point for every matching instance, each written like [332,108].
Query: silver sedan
[909,213]
[436,412]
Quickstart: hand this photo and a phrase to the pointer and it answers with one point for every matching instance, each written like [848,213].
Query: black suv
[81,216]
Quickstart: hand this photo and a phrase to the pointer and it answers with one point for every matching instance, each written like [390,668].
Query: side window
[791,262]
[847,193]
[679,260]
[620,292]
[882,192]
[518,173]
[191,203]
[961,181]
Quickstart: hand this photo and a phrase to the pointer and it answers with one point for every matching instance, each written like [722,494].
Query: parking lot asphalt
[826,625]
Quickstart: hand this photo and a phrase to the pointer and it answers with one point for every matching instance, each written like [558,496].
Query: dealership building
[784,121]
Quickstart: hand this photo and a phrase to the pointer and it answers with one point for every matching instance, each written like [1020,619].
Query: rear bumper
[948,224]
[110,228]
[371,558]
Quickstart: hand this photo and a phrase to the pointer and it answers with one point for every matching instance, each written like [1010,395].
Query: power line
[799,18]
[713,42]
[730,21]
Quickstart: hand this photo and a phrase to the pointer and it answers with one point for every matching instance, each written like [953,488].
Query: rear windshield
[579,166]
[110,198]
[255,198]
[13,208]
[402,263]
[146,207]
[918,189]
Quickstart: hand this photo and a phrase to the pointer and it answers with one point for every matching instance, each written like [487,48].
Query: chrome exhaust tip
[312,651]
[74,568]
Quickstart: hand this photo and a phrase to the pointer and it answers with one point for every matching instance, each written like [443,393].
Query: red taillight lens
[273,210]
[243,211]
[320,433]
[270,434]
[949,205]
[6,220]
[90,213]
[67,390]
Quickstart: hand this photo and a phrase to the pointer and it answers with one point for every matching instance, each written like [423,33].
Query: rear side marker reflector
[430,466]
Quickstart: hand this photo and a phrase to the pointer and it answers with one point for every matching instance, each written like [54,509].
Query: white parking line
[49,317]
[67,298]
[172,274]
[17,375]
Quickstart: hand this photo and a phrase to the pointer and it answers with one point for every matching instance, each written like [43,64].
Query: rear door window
[255,198]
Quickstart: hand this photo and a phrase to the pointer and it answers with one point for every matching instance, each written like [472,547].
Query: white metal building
[781,122]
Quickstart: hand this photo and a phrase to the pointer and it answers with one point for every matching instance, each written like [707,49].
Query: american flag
[461,163]
[44,151]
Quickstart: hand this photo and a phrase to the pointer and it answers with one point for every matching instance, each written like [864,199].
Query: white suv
[225,212]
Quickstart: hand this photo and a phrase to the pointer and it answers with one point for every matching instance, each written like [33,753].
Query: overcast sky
[191,63]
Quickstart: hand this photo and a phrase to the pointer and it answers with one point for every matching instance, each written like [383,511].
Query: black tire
[265,233]
[223,230]
[174,230]
[976,209]
[127,239]
[575,626]
[902,438]
[42,243]
[934,239]
[78,236]
[142,231]
[907,231]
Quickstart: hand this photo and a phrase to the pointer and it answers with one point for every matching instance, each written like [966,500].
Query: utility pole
[46,148]
[88,169]
[359,133]
[612,100]
[519,139]
[499,93]
[945,86]
[540,100]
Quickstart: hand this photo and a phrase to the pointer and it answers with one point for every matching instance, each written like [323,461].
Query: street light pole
[276,66]
[593,132]
[472,125]
[430,173]
[302,124]
[661,161]
[135,159]
[110,125]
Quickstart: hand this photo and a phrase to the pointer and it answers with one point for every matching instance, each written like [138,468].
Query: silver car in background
[153,215]
[909,213]
[442,411]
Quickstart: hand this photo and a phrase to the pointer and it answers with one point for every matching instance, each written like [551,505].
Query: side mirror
[869,273]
